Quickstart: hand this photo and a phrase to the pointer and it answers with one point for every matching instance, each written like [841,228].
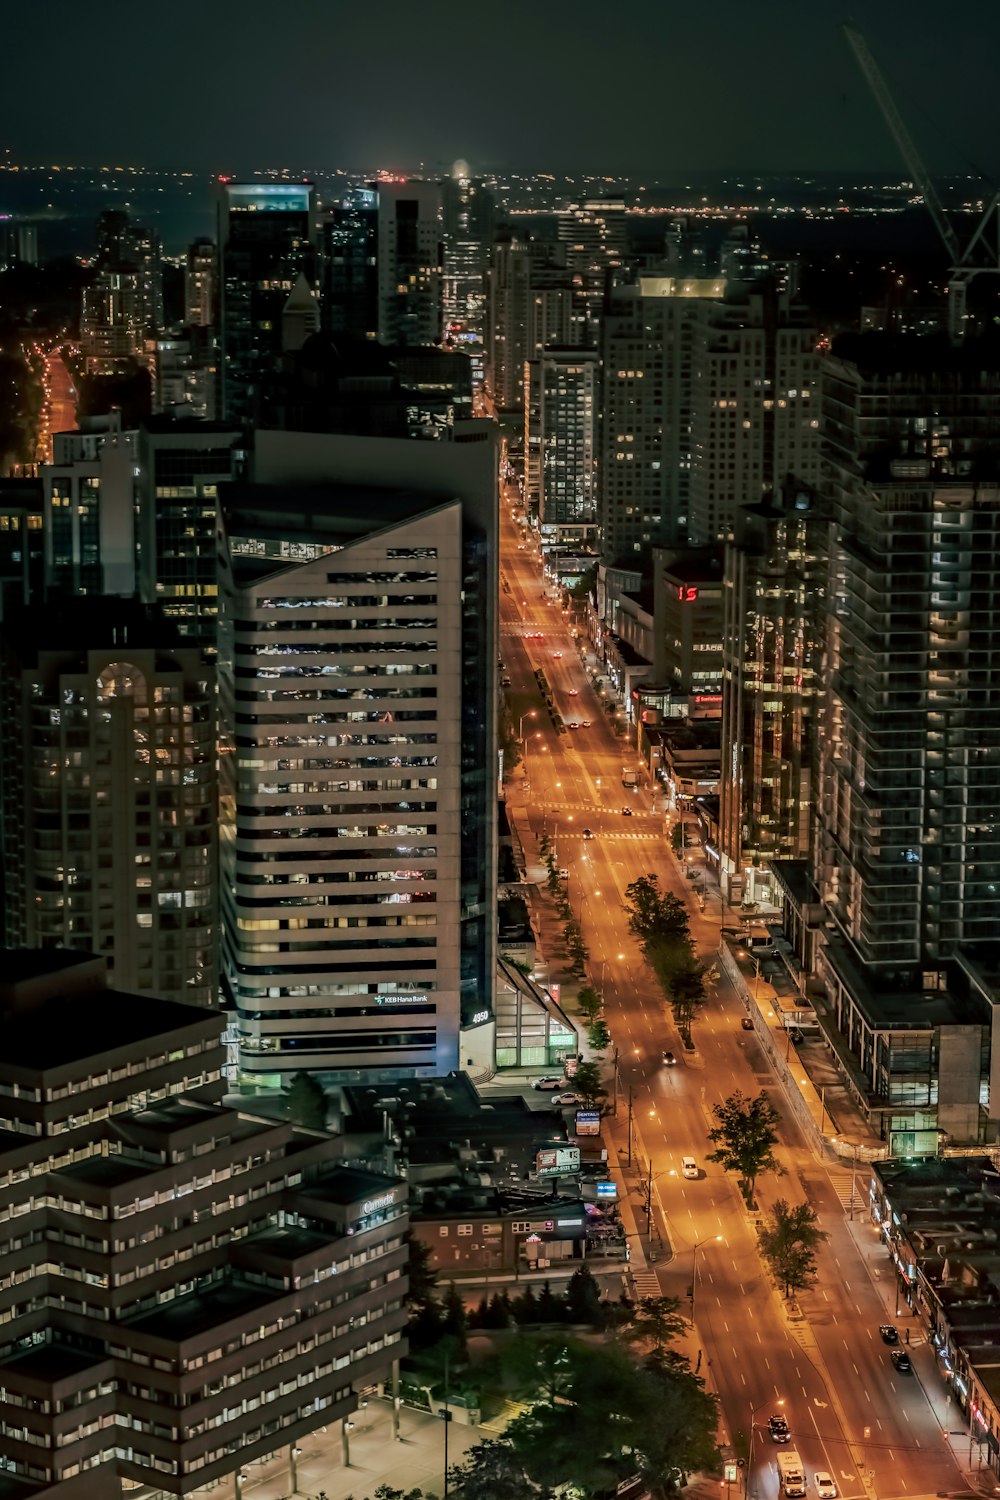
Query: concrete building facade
[357,652]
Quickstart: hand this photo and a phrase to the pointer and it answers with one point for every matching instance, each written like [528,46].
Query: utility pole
[630,1124]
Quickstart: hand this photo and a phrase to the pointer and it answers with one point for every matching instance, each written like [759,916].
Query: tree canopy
[789,1243]
[745,1137]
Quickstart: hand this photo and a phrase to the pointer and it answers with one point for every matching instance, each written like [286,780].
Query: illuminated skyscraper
[357,645]
[266,239]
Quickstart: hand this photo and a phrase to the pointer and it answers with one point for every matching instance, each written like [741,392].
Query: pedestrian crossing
[646,1284]
[840,1181]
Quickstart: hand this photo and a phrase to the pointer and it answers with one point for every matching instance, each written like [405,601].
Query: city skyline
[765,93]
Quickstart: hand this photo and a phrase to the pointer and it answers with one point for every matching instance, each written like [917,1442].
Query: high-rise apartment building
[644,434]
[596,245]
[186,1289]
[266,239]
[754,405]
[356,661]
[567,413]
[410,262]
[774,603]
[89,508]
[123,302]
[109,793]
[532,301]
[908,840]
[349,245]
[201,284]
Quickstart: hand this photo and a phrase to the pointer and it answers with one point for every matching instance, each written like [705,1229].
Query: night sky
[557,85]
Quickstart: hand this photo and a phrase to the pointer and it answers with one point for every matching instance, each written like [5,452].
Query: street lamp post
[753,1415]
[294,1454]
[630,1124]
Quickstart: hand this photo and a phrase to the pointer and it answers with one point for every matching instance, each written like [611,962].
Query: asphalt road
[846,1405]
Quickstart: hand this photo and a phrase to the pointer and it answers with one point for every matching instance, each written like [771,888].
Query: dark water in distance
[181,206]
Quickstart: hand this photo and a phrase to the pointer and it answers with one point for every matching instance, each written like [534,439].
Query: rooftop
[50,1362]
[903,1006]
[186,1317]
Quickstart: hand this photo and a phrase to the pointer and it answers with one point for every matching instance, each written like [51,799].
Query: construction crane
[982,251]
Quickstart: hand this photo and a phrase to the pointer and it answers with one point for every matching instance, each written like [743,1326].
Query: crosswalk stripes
[840,1181]
[646,1284]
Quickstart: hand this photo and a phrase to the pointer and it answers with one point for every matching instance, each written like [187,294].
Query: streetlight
[529,713]
[694,1266]
[294,1455]
[753,1413]
[240,1480]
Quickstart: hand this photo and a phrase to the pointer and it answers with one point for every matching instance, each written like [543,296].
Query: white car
[568,1098]
[825,1487]
[689,1168]
[548,1083]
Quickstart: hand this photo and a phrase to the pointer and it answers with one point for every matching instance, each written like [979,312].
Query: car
[586,723]
[669,1059]
[573,724]
[573,693]
[777,1426]
[888,1333]
[551,1082]
[689,1168]
[901,1360]
[747,1023]
[568,1098]
[826,1489]
[626,812]
[588,833]
[557,656]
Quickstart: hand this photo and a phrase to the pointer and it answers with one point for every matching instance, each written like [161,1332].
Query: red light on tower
[687,593]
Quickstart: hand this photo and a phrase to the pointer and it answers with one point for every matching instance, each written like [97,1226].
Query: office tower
[687,614]
[90,502]
[183,370]
[567,411]
[532,301]
[754,405]
[468,221]
[644,435]
[337,384]
[356,654]
[410,262]
[109,792]
[124,301]
[266,238]
[180,465]
[201,278]
[594,236]
[349,246]
[774,602]
[187,1289]
[18,242]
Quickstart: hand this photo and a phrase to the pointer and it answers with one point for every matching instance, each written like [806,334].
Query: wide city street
[850,1412]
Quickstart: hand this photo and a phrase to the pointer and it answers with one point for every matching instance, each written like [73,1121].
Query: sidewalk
[416,1460]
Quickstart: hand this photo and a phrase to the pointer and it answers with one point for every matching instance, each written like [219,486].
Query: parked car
[568,1098]
[669,1059]
[901,1360]
[888,1333]
[777,1426]
[747,1023]
[826,1489]
[689,1168]
[551,1082]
